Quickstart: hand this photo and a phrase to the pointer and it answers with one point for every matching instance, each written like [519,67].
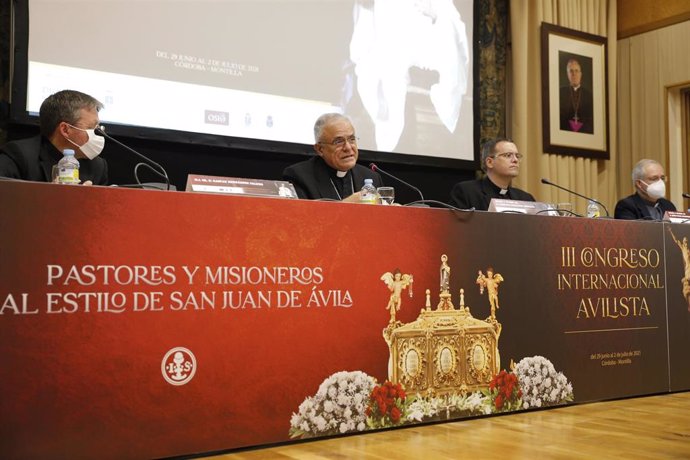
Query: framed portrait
[574,92]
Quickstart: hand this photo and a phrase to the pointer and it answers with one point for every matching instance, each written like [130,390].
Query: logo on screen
[214,117]
[178,366]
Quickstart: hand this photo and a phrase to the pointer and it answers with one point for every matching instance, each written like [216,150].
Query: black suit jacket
[33,159]
[478,193]
[634,207]
[312,179]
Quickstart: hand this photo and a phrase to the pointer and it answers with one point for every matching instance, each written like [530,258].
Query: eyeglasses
[98,126]
[339,142]
[509,155]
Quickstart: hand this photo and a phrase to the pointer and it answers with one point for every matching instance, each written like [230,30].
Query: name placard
[521,207]
[677,217]
[240,186]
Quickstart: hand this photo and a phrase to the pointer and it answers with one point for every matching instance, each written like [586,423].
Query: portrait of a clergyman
[575,98]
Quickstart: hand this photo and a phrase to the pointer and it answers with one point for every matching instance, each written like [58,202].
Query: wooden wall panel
[638,16]
[649,64]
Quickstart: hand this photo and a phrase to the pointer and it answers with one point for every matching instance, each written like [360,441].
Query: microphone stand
[420,203]
[547,182]
[159,170]
[440,204]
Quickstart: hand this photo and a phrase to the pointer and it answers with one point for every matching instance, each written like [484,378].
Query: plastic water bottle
[68,168]
[592,209]
[368,193]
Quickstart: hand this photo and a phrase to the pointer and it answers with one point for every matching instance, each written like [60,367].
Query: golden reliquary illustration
[445,350]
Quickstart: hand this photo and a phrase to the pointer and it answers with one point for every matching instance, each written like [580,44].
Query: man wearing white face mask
[67,119]
[648,202]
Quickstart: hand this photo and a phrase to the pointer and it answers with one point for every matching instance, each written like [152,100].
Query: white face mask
[656,190]
[93,146]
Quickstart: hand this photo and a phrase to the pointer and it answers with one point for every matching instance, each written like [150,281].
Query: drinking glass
[565,209]
[386,194]
[551,209]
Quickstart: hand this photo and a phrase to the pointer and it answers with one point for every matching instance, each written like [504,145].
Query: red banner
[150,324]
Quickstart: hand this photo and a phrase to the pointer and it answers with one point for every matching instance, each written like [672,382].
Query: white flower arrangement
[340,404]
[453,405]
[541,385]
[337,407]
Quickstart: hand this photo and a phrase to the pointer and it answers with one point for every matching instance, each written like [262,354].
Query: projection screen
[266,69]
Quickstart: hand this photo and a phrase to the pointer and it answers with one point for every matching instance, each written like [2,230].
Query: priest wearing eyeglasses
[333,173]
[500,160]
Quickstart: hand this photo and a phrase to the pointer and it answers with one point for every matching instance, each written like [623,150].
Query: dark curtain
[492,46]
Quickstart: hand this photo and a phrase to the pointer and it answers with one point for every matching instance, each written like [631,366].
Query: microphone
[375,168]
[159,170]
[146,186]
[547,182]
[686,195]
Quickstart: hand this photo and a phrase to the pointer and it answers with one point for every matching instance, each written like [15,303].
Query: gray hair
[64,106]
[489,149]
[573,60]
[638,172]
[326,119]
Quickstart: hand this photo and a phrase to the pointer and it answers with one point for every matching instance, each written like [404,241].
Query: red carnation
[395,414]
[504,390]
[499,401]
[383,408]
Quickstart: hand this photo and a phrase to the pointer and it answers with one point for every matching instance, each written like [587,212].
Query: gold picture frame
[574,92]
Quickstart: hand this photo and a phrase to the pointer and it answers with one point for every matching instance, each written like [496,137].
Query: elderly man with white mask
[648,202]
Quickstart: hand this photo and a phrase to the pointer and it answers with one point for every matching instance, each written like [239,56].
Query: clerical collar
[55,153]
[341,185]
[496,189]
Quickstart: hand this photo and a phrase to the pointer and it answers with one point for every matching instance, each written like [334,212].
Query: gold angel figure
[396,282]
[685,252]
[490,282]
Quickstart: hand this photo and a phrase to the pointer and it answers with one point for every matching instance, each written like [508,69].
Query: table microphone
[158,168]
[375,168]
[547,182]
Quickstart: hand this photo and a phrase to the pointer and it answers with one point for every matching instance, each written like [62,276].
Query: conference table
[148,324]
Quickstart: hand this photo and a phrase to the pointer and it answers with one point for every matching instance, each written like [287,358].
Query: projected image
[383,50]
[401,69]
